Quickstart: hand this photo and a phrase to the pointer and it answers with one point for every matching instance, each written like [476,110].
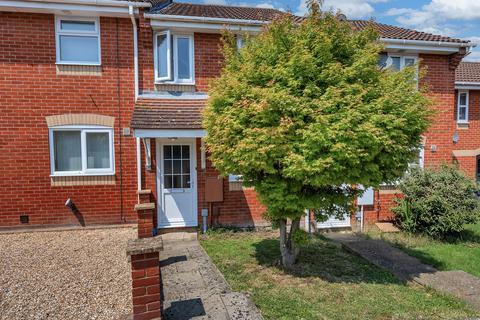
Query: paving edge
[65,228]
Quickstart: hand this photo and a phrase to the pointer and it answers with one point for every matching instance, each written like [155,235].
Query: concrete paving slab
[193,288]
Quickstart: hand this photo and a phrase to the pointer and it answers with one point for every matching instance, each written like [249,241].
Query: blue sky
[455,18]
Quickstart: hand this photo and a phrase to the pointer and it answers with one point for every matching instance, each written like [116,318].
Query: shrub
[437,202]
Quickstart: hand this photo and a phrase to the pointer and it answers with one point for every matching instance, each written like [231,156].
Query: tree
[303,112]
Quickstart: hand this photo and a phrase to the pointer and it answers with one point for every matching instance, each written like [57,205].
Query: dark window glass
[167,166]
[167,151]
[177,166]
[177,181]
[478,169]
[176,152]
[186,181]
[185,152]
[168,182]
[185,166]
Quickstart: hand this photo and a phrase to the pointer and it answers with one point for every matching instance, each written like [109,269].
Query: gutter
[429,43]
[135,49]
[111,3]
[463,83]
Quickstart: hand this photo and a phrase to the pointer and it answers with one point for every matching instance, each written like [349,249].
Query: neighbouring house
[102,102]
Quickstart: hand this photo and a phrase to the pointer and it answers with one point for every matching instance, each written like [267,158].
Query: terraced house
[101,107]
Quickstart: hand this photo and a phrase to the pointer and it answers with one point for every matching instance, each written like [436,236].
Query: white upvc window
[462,106]
[81,150]
[78,40]
[398,62]
[240,42]
[174,58]
[235,178]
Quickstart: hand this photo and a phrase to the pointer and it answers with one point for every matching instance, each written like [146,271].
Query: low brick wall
[146,281]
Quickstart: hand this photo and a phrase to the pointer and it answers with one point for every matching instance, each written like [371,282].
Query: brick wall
[31,90]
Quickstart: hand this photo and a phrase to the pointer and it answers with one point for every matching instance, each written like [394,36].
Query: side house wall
[439,146]
[31,89]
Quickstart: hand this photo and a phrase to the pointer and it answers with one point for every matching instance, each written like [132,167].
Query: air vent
[24,218]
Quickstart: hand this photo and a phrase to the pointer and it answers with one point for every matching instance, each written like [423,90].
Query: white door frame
[159,143]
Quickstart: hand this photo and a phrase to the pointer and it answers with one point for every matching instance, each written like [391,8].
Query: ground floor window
[478,169]
[81,151]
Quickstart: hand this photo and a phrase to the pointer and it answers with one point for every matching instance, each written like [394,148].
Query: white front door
[176,183]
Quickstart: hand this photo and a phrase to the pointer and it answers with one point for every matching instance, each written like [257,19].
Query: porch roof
[165,114]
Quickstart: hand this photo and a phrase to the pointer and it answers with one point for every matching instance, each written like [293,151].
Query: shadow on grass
[325,260]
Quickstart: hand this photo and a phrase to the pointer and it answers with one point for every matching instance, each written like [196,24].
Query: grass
[459,253]
[328,283]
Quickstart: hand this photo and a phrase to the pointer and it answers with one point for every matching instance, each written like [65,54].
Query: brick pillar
[146,218]
[144,257]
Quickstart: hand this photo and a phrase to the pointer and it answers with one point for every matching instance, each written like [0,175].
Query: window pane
[177,166]
[462,114]
[382,60]
[463,99]
[77,25]
[79,48]
[183,56]
[167,182]
[162,55]
[186,166]
[67,150]
[177,181]
[176,152]
[409,62]
[167,166]
[98,150]
[167,152]
[396,63]
[185,152]
[186,181]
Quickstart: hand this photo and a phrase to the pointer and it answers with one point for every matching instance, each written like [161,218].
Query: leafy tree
[303,110]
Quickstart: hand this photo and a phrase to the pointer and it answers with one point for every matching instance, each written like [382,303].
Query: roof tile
[168,114]
[468,72]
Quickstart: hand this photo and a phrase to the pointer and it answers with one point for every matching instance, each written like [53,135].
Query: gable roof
[171,8]
[468,72]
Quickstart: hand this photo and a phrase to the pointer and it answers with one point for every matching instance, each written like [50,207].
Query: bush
[437,202]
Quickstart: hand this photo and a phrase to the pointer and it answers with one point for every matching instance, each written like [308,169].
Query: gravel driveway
[80,274]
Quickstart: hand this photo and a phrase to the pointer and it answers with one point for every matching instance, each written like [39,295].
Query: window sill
[175,83]
[93,64]
[462,125]
[81,174]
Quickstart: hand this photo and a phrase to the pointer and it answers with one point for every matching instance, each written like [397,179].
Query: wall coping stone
[144,245]
[144,206]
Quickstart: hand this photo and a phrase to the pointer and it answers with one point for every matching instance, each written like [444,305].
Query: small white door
[334,222]
[176,180]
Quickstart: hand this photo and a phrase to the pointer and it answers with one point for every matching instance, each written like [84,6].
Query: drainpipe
[135,71]
[135,48]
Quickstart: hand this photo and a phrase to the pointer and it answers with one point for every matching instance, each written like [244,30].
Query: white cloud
[221,2]
[353,9]
[435,16]
[265,5]
[475,54]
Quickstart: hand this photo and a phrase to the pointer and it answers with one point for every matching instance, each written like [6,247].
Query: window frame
[172,62]
[169,54]
[59,32]
[466,106]
[402,59]
[84,129]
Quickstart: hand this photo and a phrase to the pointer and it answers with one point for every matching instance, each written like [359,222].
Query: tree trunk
[288,248]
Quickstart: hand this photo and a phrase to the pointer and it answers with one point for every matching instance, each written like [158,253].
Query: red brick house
[102,100]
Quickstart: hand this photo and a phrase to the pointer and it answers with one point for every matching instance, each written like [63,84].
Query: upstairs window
[173,55]
[462,107]
[78,41]
[78,151]
[399,62]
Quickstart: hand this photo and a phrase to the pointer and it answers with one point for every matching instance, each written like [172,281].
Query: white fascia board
[111,3]
[203,26]
[420,46]
[160,133]
[428,43]
[421,49]
[64,9]
[204,19]
[467,85]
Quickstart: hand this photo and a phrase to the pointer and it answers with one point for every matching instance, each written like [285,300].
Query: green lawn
[328,283]
[459,253]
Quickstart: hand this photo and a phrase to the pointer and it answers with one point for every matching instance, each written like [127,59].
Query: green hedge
[438,202]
